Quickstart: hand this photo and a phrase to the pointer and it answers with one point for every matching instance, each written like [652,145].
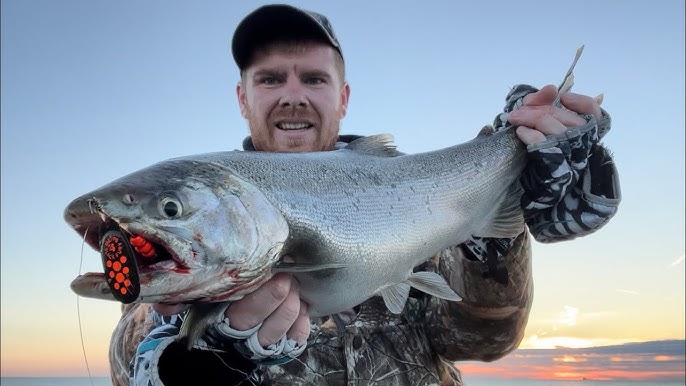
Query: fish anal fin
[395,297]
[433,284]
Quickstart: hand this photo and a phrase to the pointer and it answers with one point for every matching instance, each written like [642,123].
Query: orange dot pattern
[119,262]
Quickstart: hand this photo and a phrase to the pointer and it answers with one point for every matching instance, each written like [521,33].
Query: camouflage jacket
[368,344]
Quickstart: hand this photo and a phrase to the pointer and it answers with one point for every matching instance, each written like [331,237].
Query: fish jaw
[172,287]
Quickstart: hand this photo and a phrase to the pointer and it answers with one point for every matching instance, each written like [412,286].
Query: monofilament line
[78,313]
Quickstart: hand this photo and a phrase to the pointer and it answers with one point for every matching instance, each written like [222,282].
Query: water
[46,381]
[471,382]
[531,382]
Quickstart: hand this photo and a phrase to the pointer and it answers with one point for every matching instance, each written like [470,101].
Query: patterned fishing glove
[220,335]
[571,185]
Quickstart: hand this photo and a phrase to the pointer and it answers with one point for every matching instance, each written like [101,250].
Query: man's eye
[314,81]
[269,81]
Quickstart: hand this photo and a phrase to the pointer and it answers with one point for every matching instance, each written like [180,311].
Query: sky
[92,90]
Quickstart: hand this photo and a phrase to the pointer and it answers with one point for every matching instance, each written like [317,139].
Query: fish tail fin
[507,220]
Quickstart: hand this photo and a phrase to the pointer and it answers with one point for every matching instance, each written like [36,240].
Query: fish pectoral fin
[198,318]
[282,266]
[433,284]
[507,221]
[395,297]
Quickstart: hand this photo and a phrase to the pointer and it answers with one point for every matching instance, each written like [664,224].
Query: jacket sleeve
[144,351]
[490,320]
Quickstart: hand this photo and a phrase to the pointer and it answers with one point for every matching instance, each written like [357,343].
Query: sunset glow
[626,362]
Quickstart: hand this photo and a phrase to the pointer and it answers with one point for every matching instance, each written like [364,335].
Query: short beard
[290,144]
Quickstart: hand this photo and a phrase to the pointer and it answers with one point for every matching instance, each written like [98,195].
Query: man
[293,94]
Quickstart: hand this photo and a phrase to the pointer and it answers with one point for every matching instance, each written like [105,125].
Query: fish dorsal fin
[379,145]
[486,131]
[433,284]
[395,297]
[507,220]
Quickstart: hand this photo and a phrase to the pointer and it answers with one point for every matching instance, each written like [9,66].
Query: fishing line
[78,313]
[247,376]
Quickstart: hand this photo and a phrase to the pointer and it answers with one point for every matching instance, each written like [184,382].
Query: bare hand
[276,304]
[538,117]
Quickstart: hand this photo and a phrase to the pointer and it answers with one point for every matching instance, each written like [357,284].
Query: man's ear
[240,94]
[345,96]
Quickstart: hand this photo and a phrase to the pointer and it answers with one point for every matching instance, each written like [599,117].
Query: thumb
[542,97]
[529,136]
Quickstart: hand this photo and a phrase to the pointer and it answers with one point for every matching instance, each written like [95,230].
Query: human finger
[581,104]
[529,135]
[279,322]
[543,97]
[538,120]
[255,307]
[300,330]
[530,115]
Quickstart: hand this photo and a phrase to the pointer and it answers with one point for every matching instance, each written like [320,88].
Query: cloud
[678,261]
[568,316]
[646,361]
[630,292]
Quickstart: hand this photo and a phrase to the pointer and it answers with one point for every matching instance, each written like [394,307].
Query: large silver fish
[211,228]
[356,221]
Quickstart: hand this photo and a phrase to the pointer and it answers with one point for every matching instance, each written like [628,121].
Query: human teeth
[293,126]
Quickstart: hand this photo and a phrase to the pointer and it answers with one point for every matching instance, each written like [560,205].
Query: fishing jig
[119,262]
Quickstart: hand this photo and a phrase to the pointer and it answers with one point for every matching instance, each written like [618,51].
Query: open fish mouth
[132,256]
[131,260]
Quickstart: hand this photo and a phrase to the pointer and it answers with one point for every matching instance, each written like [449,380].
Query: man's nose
[294,95]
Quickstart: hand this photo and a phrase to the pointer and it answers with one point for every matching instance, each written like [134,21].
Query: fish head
[213,235]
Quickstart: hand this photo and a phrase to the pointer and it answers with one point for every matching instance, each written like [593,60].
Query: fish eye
[170,207]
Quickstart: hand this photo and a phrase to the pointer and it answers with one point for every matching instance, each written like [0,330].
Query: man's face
[293,98]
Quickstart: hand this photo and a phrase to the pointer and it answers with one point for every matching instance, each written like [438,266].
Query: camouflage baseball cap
[279,22]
